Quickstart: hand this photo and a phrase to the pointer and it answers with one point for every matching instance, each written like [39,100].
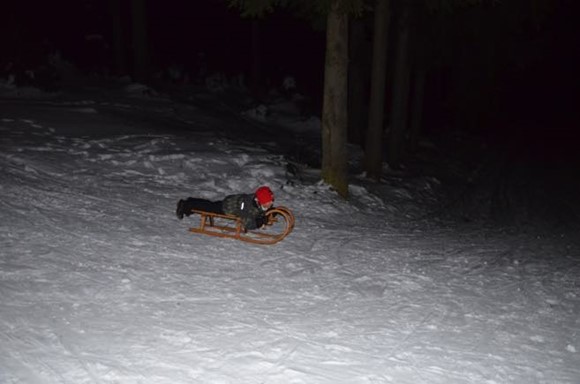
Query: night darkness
[193,35]
[504,73]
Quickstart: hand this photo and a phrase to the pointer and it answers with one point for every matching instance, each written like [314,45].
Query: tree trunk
[357,82]
[334,110]
[140,51]
[400,104]
[119,61]
[417,108]
[256,64]
[374,138]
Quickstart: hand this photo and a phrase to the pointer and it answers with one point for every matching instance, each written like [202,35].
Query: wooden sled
[279,223]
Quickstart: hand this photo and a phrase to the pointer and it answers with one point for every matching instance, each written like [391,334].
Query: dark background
[534,63]
[179,32]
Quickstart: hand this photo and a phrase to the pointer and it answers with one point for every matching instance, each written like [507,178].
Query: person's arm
[244,207]
[249,223]
[253,218]
[247,212]
[261,220]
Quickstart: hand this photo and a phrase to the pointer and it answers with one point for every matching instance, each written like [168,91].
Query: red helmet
[264,195]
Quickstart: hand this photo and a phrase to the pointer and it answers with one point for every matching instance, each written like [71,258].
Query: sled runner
[279,223]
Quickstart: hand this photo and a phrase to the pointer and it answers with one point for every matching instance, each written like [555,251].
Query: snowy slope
[100,283]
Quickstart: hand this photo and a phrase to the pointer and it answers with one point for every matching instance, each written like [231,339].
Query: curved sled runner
[280,222]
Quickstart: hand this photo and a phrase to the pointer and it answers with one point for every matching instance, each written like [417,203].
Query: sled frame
[228,226]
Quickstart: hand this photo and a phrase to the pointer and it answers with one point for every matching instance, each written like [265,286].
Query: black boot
[180,211]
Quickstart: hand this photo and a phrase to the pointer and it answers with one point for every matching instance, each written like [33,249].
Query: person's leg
[203,205]
[184,207]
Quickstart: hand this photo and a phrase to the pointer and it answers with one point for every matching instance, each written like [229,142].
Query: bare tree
[119,60]
[401,84]
[374,138]
[358,81]
[140,42]
[334,110]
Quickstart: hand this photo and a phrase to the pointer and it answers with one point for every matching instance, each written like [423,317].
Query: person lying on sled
[250,207]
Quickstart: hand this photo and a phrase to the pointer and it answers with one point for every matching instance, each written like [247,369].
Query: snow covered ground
[100,283]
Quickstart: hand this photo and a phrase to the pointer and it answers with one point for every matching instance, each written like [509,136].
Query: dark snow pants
[203,205]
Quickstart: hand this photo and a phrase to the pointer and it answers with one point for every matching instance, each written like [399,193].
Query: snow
[101,283]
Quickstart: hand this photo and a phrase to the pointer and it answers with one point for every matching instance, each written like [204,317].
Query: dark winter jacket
[245,207]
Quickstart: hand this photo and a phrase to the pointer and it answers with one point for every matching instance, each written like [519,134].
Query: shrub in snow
[140,90]
[216,82]
[177,74]
[258,113]
[289,84]
[9,82]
